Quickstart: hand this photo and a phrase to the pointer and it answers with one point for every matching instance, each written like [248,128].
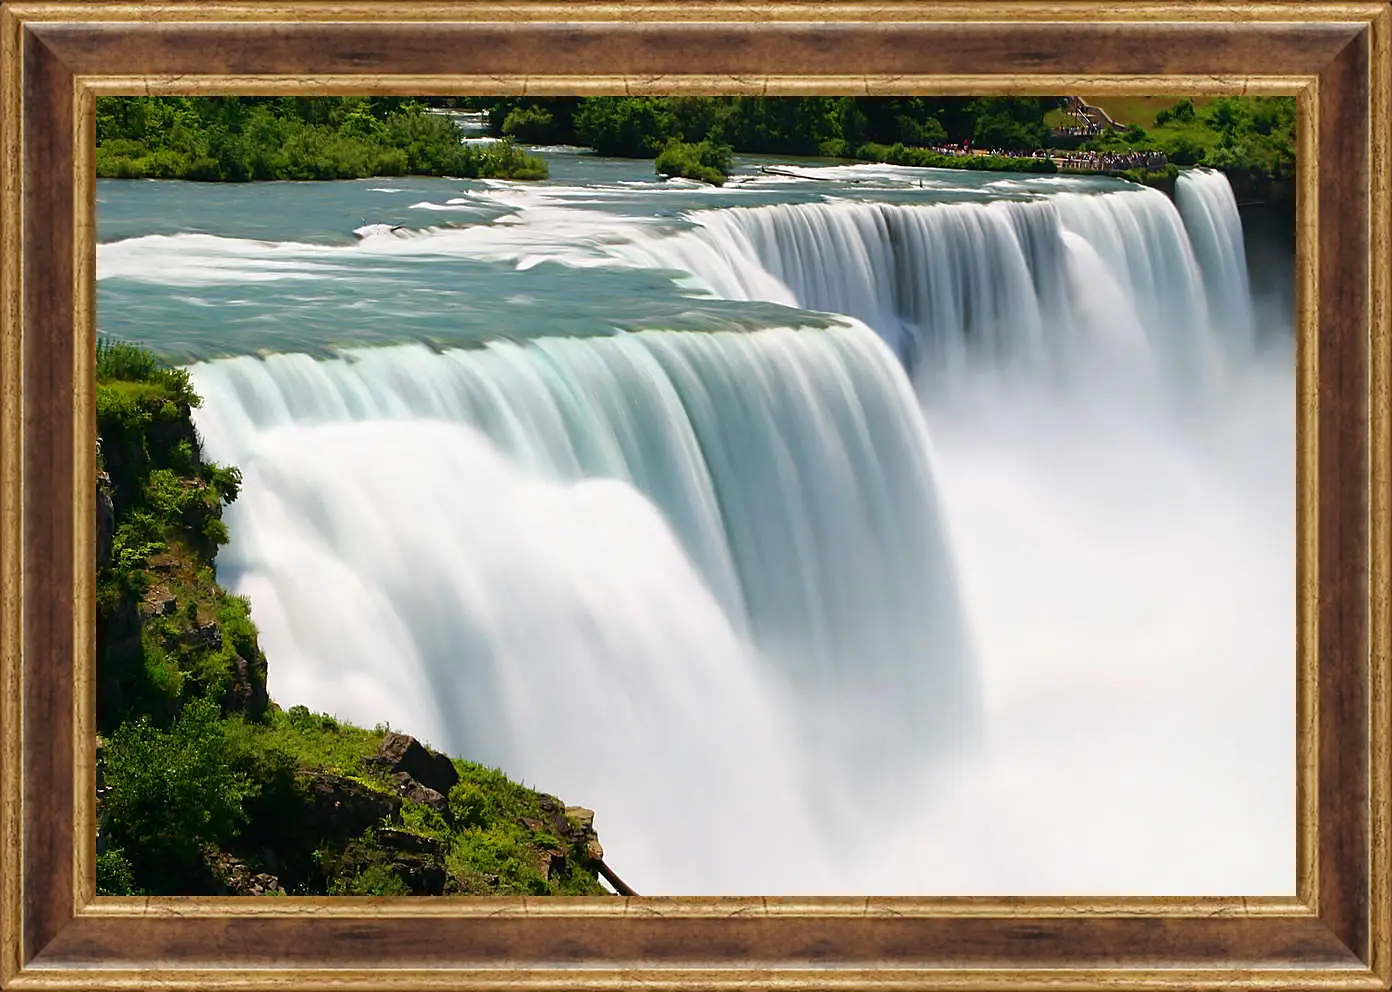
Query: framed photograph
[911,480]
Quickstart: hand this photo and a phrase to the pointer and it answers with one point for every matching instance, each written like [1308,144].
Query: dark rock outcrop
[315,811]
[401,753]
[418,861]
[246,693]
[234,877]
[120,662]
[338,808]
[413,790]
[106,521]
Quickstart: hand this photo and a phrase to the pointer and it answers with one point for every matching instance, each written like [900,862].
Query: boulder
[403,753]
[550,863]
[234,877]
[577,827]
[338,808]
[400,841]
[409,788]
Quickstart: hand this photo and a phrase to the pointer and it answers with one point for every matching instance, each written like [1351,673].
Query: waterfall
[721,587]
[1066,290]
[1206,202]
[650,571]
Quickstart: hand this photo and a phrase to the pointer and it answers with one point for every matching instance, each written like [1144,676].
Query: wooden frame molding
[55,57]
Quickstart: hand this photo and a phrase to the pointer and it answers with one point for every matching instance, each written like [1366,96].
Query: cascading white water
[702,582]
[1121,461]
[1205,200]
[1073,289]
[651,570]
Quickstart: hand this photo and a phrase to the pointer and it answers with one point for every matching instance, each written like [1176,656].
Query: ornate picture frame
[55,58]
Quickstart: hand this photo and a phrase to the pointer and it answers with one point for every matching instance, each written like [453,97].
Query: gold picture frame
[1336,933]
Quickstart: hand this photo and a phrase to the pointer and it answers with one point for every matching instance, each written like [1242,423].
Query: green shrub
[1181,111]
[495,854]
[115,876]
[247,138]
[531,125]
[173,791]
[421,819]
[703,161]
[633,127]
[898,154]
[374,880]
[468,804]
[505,160]
[123,360]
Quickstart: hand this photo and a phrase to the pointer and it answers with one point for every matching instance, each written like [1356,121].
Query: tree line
[249,138]
[695,136]
[236,139]
[641,127]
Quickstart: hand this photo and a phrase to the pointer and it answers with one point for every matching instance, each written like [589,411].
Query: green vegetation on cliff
[207,787]
[245,138]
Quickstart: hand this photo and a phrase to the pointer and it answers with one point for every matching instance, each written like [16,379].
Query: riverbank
[205,785]
[1147,169]
[1250,139]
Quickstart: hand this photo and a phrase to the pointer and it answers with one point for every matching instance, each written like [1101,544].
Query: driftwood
[773,170]
[612,879]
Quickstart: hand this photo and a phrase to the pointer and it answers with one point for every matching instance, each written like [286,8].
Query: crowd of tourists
[1111,161]
[1084,161]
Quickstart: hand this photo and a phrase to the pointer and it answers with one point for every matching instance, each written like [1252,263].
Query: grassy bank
[1141,110]
[927,158]
[237,139]
[1250,139]
[206,786]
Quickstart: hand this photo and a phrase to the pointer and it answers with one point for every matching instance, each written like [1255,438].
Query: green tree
[703,161]
[1181,112]
[632,127]
[925,133]
[533,125]
[246,138]
[173,791]
[1012,123]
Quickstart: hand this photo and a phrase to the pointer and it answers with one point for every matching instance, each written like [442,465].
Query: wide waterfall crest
[1031,290]
[781,481]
